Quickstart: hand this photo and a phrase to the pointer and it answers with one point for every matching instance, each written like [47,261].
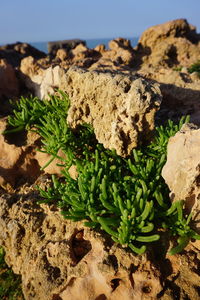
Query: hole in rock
[136,118]
[115,283]
[113,260]
[127,88]
[56,297]
[87,110]
[144,97]
[79,246]
[101,297]
[146,289]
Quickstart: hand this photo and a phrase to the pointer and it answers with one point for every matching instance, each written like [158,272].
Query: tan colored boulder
[62,54]
[122,52]
[180,91]
[61,259]
[172,43]
[46,81]
[29,66]
[66,260]
[9,85]
[100,48]
[182,169]
[120,108]
[16,162]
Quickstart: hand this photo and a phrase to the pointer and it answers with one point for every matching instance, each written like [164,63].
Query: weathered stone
[100,48]
[180,91]
[64,44]
[16,162]
[182,169]
[172,43]
[58,258]
[62,54]
[81,52]
[44,82]
[14,53]
[9,85]
[120,108]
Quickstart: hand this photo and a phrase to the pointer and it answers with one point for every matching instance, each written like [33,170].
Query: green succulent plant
[125,197]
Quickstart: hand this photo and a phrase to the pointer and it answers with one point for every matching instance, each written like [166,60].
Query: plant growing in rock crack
[127,198]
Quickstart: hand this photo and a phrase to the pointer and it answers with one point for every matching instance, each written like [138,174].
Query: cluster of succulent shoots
[125,197]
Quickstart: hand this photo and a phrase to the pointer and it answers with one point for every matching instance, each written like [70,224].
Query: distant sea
[91,43]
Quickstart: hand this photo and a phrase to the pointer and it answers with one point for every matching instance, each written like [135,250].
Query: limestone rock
[180,91]
[44,81]
[182,169]
[122,51]
[63,44]
[172,43]
[81,52]
[14,53]
[120,108]
[60,259]
[62,54]
[9,85]
[100,48]
[17,162]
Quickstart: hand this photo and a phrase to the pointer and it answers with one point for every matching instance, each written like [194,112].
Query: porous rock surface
[120,108]
[20,160]
[59,259]
[9,84]
[182,169]
[180,92]
[17,160]
[169,44]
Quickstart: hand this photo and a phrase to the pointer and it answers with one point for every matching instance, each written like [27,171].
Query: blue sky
[46,20]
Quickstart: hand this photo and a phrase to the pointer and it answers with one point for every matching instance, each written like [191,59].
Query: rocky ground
[118,91]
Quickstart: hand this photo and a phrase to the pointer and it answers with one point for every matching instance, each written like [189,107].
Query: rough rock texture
[180,91]
[172,43]
[120,56]
[9,85]
[14,53]
[182,169]
[59,259]
[63,44]
[120,108]
[42,82]
[17,161]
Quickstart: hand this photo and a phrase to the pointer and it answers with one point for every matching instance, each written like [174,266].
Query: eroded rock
[9,84]
[120,108]
[182,169]
[169,44]
[180,91]
[59,258]
[14,53]
[17,162]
